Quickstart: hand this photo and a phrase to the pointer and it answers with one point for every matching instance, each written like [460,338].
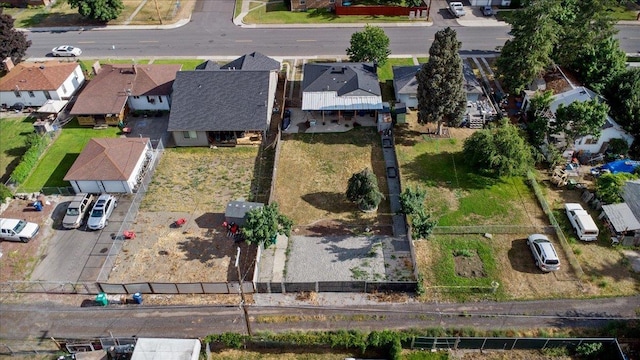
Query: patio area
[330,121]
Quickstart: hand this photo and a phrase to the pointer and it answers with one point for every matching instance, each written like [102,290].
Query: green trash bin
[571,184]
[102,299]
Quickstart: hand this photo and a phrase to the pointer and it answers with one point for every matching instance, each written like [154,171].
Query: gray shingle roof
[208,65]
[347,79]
[220,101]
[631,195]
[404,79]
[253,61]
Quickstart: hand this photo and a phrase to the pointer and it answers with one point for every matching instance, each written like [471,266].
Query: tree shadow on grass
[331,202]
[358,136]
[210,221]
[344,248]
[57,176]
[520,257]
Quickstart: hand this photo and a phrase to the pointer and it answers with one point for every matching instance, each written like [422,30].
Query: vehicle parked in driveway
[456,9]
[76,211]
[66,50]
[101,212]
[487,10]
[18,230]
[582,222]
[543,252]
[286,120]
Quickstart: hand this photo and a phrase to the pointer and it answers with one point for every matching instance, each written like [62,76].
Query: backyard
[313,171]
[14,131]
[58,158]
[464,266]
[195,184]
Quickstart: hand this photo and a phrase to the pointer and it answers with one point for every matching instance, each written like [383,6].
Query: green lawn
[280,14]
[187,64]
[57,160]
[385,72]
[455,194]
[444,269]
[13,133]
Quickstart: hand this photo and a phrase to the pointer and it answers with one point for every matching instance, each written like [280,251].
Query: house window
[151,100]
[332,1]
[136,97]
[189,135]
[31,94]
[47,95]
[64,89]
[591,140]
[17,93]
[160,98]
[303,2]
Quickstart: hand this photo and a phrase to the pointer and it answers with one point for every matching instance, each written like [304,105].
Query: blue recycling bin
[37,205]
[137,298]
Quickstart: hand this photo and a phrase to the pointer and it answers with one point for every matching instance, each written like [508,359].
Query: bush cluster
[36,144]
[5,192]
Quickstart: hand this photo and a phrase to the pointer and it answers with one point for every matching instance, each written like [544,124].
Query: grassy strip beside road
[278,13]
[55,163]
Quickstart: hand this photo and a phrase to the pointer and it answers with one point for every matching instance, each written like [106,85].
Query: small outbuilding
[237,210]
[111,165]
[166,349]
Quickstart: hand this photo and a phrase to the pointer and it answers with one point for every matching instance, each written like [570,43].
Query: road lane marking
[244,41]
[310,40]
[148,41]
[86,42]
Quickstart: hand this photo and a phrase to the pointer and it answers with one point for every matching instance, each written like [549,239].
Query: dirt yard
[195,184]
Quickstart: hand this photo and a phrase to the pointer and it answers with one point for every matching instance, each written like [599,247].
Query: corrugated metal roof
[329,100]
[621,217]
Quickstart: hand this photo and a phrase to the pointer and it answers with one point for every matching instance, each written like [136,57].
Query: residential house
[405,85]
[589,144]
[345,88]
[33,83]
[117,89]
[226,106]
[26,3]
[110,165]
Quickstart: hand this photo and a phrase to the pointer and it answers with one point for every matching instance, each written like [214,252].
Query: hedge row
[36,144]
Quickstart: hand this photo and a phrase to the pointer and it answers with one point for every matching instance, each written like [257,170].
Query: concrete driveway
[78,255]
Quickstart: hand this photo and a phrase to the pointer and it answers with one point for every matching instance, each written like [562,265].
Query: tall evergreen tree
[13,44]
[528,54]
[100,10]
[623,94]
[441,96]
[598,64]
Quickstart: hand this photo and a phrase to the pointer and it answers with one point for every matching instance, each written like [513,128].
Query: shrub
[589,350]
[229,339]
[362,189]
[463,252]
[36,145]
[422,225]
[412,200]
[5,192]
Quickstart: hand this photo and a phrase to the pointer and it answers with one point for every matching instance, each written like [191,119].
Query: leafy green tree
[623,95]
[528,53]
[13,44]
[369,45]
[580,118]
[599,64]
[441,96]
[422,224]
[264,224]
[609,186]
[100,10]
[617,148]
[500,150]
[412,200]
[362,189]
[538,115]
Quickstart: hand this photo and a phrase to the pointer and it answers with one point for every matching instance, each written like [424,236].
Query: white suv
[543,252]
[101,211]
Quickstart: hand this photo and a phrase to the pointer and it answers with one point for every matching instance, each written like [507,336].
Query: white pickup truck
[456,9]
[17,230]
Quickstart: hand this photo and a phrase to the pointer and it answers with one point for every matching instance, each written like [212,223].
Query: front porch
[234,138]
[316,121]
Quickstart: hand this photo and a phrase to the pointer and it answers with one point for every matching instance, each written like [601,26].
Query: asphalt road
[211,33]
[46,320]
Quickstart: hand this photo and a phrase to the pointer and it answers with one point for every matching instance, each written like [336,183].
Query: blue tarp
[623,165]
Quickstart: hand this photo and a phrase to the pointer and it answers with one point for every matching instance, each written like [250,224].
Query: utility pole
[242,302]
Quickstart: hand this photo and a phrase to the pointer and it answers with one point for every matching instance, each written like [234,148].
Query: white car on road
[66,50]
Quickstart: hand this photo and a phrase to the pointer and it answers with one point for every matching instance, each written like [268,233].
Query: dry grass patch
[196,180]
[297,353]
[313,171]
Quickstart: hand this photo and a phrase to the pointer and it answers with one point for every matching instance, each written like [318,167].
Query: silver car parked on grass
[543,252]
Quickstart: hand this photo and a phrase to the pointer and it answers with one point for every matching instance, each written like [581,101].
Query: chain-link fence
[130,217]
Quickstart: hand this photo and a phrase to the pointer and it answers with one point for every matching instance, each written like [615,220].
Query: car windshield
[97,213]
[21,224]
[73,212]
[552,262]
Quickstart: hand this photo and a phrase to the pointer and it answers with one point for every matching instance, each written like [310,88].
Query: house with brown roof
[111,165]
[117,89]
[33,83]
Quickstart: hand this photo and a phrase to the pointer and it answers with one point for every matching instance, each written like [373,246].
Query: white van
[582,222]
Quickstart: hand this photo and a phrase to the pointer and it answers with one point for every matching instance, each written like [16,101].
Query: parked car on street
[101,212]
[18,230]
[66,50]
[543,252]
[76,211]
[456,9]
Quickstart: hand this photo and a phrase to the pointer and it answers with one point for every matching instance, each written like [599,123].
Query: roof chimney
[8,63]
